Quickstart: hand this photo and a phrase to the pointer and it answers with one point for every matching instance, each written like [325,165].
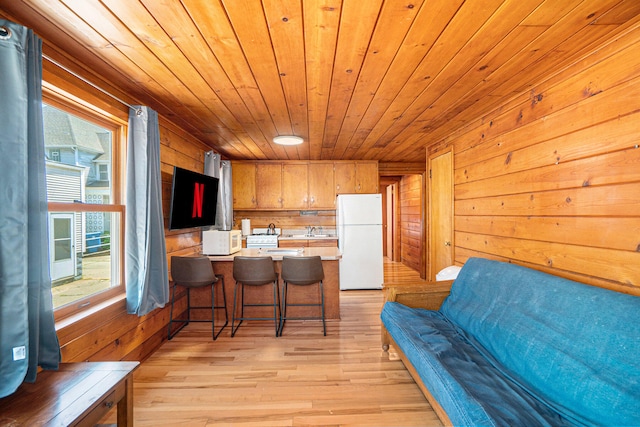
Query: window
[103,172]
[86,235]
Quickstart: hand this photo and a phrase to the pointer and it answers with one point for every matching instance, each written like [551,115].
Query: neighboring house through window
[85,222]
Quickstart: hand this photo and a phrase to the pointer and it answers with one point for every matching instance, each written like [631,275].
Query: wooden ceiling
[357,79]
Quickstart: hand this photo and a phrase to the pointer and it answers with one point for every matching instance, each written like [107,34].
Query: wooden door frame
[428,253]
[424,223]
[395,224]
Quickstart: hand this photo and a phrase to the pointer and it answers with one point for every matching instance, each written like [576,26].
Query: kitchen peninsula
[223,264]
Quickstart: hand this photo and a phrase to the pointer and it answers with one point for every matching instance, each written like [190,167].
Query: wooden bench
[77,394]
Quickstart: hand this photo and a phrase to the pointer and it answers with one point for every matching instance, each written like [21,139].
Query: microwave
[219,242]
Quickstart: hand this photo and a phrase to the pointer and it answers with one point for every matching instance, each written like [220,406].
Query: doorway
[440,166]
[404,238]
[61,249]
[391,227]
[390,217]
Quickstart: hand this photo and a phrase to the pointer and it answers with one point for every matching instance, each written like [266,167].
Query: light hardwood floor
[301,378]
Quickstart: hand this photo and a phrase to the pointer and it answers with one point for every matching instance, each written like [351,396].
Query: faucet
[310,230]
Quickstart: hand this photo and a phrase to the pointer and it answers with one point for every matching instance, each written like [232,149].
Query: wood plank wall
[285,219]
[551,178]
[111,333]
[411,237]
[108,332]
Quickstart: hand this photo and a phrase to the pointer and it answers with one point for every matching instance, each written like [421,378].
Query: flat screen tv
[194,198]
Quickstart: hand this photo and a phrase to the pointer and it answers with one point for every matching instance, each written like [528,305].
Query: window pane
[62,250]
[62,228]
[79,158]
[83,267]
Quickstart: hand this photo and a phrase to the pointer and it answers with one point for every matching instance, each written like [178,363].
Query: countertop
[326,253]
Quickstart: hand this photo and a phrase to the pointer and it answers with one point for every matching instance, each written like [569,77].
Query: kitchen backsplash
[286,220]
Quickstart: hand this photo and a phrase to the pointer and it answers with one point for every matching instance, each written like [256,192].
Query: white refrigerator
[359,226]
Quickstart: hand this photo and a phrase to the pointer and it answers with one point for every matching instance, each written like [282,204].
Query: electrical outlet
[19,353]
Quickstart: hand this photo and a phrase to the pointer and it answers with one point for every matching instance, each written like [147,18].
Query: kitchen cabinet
[322,193]
[243,182]
[356,177]
[345,177]
[298,184]
[297,243]
[308,185]
[269,185]
[295,190]
[367,177]
[305,243]
[330,243]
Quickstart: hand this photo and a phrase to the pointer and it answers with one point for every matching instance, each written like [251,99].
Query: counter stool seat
[254,271]
[302,271]
[196,272]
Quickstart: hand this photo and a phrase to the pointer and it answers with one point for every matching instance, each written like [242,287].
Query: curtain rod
[53,61]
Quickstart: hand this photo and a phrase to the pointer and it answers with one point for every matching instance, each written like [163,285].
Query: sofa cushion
[467,386]
[575,346]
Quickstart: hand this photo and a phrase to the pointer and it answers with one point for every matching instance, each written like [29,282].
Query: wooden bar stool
[302,271]
[254,271]
[196,272]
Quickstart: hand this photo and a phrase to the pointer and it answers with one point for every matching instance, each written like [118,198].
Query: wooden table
[77,394]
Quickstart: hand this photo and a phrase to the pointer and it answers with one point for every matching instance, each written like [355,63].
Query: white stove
[260,238]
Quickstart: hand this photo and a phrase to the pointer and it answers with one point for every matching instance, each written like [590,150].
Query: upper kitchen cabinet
[321,186]
[367,177]
[345,178]
[244,185]
[356,177]
[299,185]
[307,185]
[269,185]
[295,191]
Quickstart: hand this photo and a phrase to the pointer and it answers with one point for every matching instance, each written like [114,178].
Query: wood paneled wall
[400,169]
[411,236]
[551,178]
[107,332]
[285,219]
[178,148]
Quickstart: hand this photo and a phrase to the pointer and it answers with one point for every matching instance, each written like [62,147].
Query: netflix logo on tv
[194,198]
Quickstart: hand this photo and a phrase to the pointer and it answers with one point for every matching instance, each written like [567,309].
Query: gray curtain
[221,169]
[147,275]
[27,331]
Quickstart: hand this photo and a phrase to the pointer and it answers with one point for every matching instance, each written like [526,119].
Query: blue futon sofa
[512,346]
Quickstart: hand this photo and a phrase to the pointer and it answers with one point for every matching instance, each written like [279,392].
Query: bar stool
[302,271]
[254,271]
[196,272]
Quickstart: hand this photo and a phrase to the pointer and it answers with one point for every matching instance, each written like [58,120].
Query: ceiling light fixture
[288,140]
